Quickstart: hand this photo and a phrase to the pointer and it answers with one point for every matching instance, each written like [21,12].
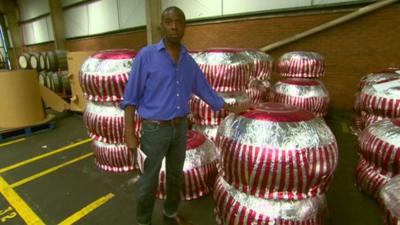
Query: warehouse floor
[51,177]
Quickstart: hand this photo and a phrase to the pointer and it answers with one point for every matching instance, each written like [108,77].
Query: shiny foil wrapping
[210,131]
[374,78]
[234,207]
[384,102]
[258,91]
[389,199]
[199,169]
[105,122]
[104,75]
[202,113]
[307,94]
[262,62]
[227,70]
[379,145]
[277,151]
[368,119]
[112,157]
[301,65]
[369,179]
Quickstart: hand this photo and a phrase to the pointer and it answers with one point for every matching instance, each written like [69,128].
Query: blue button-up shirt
[160,89]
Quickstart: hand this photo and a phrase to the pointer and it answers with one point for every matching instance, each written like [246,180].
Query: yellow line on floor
[5,169]
[52,169]
[12,142]
[345,128]
[26,213]
[86,210]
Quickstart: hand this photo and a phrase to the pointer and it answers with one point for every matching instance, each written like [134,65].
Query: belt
[172,122]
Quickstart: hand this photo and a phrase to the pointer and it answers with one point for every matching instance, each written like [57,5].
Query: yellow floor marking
[5,169]
[12,142]
[26,213]
[86,210]
[52,169]
[345,128]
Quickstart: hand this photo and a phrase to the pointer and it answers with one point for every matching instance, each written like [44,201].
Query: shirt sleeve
[135,86]
[203,89]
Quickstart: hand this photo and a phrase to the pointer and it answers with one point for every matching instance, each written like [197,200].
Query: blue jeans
[159,141]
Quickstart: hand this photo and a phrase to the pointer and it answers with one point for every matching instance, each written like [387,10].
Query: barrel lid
[277,112]
[194,139]
[115,54]
[301,81]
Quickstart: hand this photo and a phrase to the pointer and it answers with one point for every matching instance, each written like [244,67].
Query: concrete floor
[80,193]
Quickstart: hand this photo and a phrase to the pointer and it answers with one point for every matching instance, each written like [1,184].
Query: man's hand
[132,143]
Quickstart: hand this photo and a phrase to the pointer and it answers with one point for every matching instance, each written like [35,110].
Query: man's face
[173,26]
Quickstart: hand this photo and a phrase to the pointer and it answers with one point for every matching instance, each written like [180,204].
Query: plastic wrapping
[301,65]
[262,62]
[259,91]
[389,199]
[113,157]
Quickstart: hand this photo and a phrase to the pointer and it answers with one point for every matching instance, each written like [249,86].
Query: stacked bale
[228,71]
[276,163]
[389,199]
[374,101]
[199,169]
[302,89]
[103,77]
[379,147]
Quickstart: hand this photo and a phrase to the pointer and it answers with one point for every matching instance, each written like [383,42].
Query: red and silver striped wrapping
[113,157]
[379,145]
[208,130]
[105,122]
[389,199]
[203,114]
[277,151]
[381,101]
[369,179]
[259,91]
[301,65]
[374,78]
[199,169]
[234,207]
[263,63]
[227,70]
[307,94]
[368,119]
[104,75]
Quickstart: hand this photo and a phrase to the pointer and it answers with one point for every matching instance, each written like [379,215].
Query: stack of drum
[389,199]
[379,98]
[276,163]
[379,147]
[228,71]
[103,77]
[301,88]
[199,169]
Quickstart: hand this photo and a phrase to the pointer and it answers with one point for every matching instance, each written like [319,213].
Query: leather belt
[172,122]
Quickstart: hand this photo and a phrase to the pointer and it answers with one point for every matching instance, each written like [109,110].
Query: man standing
[162,79]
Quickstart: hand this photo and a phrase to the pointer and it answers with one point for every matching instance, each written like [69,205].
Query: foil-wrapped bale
[301,65]
[233,207]
[389,199]
[227,70]
[379,146]
[105,122]
[103,75]
[210,131]
[199,169]
[307,94]
[375,78]
[113,157]
[262,62]
[382,98]
[202,113]
[277,151]
[259,91]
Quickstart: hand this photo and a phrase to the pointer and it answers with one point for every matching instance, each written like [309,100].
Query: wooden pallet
[10,133]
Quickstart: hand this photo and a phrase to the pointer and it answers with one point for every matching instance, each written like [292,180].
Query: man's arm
[130,137]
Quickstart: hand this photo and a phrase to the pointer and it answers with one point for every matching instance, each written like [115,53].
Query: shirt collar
[161,46]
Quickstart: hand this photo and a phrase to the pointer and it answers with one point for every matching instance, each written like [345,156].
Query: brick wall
[351,50]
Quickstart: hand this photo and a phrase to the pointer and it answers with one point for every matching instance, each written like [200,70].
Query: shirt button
[177,81]
[178,107]
[177,94]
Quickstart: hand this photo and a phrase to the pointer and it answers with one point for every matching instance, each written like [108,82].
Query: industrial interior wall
[356,48]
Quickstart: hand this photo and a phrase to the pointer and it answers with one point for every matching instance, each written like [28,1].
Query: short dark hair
[173,8]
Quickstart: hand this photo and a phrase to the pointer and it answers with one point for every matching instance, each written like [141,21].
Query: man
[162,79]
